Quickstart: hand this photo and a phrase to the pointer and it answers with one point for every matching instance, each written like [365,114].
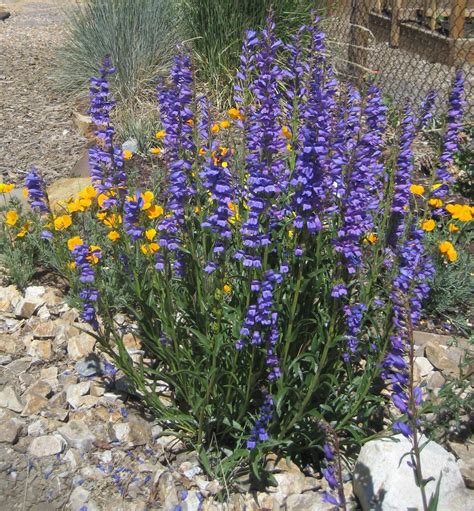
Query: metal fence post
[359,39]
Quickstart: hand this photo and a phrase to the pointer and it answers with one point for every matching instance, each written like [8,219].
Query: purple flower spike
[36,191]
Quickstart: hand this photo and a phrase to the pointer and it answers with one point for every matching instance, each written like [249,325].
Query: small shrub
[274,273]
[140,36]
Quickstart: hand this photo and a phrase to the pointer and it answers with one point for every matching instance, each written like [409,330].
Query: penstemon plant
[270,271]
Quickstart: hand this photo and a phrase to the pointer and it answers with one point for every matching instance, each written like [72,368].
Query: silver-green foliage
[139,35]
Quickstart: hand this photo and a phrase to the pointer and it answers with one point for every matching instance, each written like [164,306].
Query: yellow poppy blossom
[436,203]
[197,209]
[88,192]
[147,199]
[436,186]
[71,265]
[150,234]
[190,122]
[371,238]
[127,154]
[453,228]
[460,212]
[215,128]
[74,242]
[224,124]
[11,217]
[101,199]
[202,151]
[112,220]
[445,246]
[428,225]
[155,150]
[160,134]
[6,188]
[95,253]
[289,147]
[227,289]
[113,235]
[291,234]
[23,231]
[417,189]
[452,255]
[154,211]
[151,248]
[234,113]
[62,222]
[225,164]
[286,132]
[25,192]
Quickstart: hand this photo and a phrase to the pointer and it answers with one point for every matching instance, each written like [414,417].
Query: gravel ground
[35,122]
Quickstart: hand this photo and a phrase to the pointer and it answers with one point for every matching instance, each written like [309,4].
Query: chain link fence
[407,47]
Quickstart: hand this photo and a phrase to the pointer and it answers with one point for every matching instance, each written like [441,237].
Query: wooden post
[395,26]
[456,30]
[434,8]
[456,19]
[359,39]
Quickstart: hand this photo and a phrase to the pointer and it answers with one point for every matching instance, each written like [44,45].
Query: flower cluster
[259,432]
[36,191]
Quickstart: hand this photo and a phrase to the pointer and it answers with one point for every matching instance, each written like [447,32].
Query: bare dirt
[35,121]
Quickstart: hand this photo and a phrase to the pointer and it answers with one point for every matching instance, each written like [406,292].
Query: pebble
[47,445]
[10,400]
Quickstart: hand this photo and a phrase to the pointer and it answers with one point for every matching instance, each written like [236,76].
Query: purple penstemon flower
[426,109]
[175,103]
[131,216]
[82,258]
[410,287]
[451,134]
[105,158]
[259,432]
[36,187]
[353,315]
[264,143]
[362,185]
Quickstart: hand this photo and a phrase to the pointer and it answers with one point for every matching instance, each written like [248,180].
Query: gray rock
[312,501]
[79,496]
[10,430]
[47,445]
[133,433]
[38,428]
[34,404]
[5,359]
[89,366]
[435,381]
[77,435]
[26,307]
[438,356]
[192,502]
[423,365]
[130,145]
[167,492]
[383,481]
[75,392]
[465,455]
[80,346]
[10,400]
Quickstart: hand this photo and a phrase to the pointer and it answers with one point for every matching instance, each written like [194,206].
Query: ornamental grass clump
[273,273]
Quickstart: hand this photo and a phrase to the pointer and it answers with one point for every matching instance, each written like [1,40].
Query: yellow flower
[428,225]
[62,222]
[150,234]
[151,248]
[215,128]
[286,132]
[4,188]
[23,231]
[235,114]
[87,193]
[436,186]
[202,151]
[127,154]
[74,242]
[11,217]
[112,220]
[25,192]
[289,148]
[291,234]
[371,238]
[190,122]
[436,203]
[417,189]
[75,206]
[160,134]
[95,253]
[71,265]
[227,289]
[197,209]
[452,255]
[155,150]
[225,124]
[154,211]
[147,200]
[225,164]
[113,235]
[461,212]
[232,206]
[453,228]
[101,199]
[445,246]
